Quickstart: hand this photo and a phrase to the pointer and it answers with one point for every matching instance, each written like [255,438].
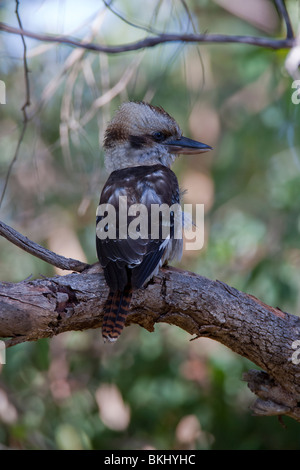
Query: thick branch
[30,310]
[39,251]
[267,43]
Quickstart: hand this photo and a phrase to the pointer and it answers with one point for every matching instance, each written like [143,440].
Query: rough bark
[267,336]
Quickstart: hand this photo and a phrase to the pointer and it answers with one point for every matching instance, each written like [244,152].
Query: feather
[115,312]
[129,263]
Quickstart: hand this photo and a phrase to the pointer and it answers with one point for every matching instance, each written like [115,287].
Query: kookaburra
[141,143]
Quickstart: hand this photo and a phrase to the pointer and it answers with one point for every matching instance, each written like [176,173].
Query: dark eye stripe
[136,141]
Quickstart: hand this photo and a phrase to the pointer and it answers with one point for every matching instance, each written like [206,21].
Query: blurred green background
[150,390]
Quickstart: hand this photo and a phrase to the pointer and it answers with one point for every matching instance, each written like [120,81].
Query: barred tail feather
[115,311]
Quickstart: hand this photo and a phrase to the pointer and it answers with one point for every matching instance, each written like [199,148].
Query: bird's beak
[187,146]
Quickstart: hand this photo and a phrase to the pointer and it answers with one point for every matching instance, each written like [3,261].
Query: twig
[39,251]
[112,92]
[148,42]
[25,105]
[284,13]
[26,70]
[125,20]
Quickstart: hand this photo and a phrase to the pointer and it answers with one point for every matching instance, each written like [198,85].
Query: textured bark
[41,308]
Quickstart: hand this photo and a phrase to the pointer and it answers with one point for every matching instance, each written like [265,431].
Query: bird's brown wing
[134,260]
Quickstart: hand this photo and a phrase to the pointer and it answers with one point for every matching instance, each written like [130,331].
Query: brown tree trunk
[30,310]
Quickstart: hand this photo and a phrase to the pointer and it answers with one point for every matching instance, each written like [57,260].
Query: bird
[141,142]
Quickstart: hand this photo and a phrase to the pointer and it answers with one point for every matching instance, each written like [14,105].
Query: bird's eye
[158,136]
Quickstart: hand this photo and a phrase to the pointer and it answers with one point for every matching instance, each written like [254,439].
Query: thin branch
[39,251]
[112,92]
[284,13]
[148,42]
[125,20]
[26,70]
[24,107]
[13,161]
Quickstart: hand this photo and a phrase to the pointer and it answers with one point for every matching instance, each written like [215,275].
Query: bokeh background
[150,390]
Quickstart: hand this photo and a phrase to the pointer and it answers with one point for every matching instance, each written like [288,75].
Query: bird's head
[143,134]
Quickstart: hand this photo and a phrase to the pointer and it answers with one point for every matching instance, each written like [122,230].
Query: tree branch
[284,13]
[39,251]
[204,308]
[267,43]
